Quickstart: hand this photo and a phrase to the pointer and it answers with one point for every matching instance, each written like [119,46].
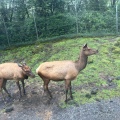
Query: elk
[14,71]
[66,70]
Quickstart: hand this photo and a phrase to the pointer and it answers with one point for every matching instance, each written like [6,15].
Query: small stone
[118,78]
[77,105]
[105,85]
[88,95]
[111,84]
[97,99]
[9,109]
[94,91]
[56,92]
[110,79]
[33,92]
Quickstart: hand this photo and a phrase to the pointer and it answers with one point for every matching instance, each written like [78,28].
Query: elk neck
[81,62]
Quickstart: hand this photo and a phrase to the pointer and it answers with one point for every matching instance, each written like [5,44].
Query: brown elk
[66,70]
[14,71]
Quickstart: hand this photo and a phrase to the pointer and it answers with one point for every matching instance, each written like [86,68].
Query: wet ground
[36,106]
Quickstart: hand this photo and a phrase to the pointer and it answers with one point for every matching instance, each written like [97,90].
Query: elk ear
[20,65]
[85,45]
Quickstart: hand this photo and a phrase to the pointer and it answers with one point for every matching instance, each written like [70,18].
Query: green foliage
[95,21]
[117,43]
[23,22]
[59,24]
[116,51]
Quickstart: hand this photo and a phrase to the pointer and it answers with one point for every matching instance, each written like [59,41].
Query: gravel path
[104,110]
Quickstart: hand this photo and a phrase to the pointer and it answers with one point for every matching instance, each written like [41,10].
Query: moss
[116,50]
[117,43]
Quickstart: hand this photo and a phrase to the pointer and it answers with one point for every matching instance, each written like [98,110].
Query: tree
[54,18]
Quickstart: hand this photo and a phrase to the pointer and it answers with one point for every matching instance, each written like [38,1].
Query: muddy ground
[36,106]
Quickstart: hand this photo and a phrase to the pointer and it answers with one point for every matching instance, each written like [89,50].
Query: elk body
[66,70]
[14,71]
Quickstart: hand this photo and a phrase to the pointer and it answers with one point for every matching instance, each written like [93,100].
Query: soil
[35,105]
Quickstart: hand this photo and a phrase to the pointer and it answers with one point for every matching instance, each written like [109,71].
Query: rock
[56,92]
[117,78]
[105,85]
[111,84]
[88,95]
[33,92]
[94,91]
[9,109]
[110,79]
[97,99]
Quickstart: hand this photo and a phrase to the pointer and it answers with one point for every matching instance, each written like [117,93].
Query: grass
[100,67]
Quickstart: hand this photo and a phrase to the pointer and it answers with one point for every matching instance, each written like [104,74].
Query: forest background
[28,21]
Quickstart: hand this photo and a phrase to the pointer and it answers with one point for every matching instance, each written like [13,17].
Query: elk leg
[67,86]
[23,84]
[71,91]
[46,82]
[4,87]
[1,84]
[66,92]
[2,94]
[19,88]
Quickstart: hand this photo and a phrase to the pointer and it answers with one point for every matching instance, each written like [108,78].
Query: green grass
[101,66]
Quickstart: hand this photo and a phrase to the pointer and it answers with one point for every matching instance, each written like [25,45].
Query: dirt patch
[34,103]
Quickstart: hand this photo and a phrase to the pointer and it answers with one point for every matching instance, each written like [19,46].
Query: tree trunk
[6,33]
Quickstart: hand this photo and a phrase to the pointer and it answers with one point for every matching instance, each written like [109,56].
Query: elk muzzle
[30,74]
